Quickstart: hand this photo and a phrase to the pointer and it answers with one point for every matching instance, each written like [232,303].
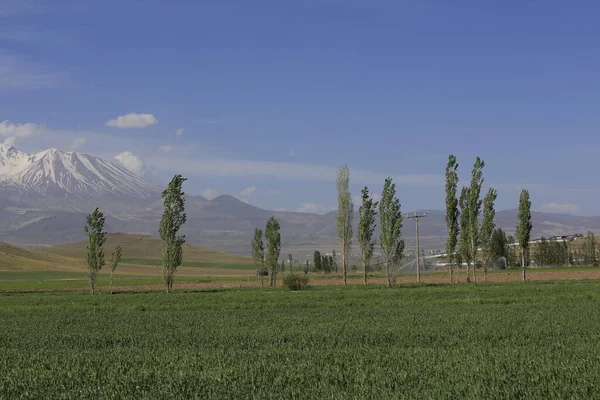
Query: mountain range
[45,197]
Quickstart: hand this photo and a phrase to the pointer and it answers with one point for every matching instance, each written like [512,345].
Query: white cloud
[249,191]
[179,132]
[565,208]
[292,153]
[19,130]
[166,148]
[10,141]
[133,121]
[131,162]
[314,208]
[76,143]
[284,171]
[209,193]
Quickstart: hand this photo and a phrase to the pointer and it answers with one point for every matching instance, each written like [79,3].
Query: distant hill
[14,258]
[45,197]
[140,247]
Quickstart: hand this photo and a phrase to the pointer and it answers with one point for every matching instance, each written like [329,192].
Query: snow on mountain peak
[55,172]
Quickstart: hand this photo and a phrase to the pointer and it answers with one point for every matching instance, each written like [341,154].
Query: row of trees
[463,221]
[266,259]
[172,220]
[322,262]
[390,220]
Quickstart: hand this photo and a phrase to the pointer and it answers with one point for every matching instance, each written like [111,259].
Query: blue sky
[264,99]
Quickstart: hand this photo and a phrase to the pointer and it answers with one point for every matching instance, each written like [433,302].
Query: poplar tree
[94,230]
[345,216]
[115,259]
[325,264]
[465,246]
[317,260]
[452,212]
[273,248]
[524,227]
[487,228]
[366,226]
[390,219]
[172,220]
[589,250]
[474,204]
[258,254]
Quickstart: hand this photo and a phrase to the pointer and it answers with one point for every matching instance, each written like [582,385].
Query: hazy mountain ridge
[45,197]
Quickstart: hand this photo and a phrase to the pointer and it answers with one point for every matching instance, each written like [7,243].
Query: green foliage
[452,210]
[172,220]
[317,260]
[273,248]
[550,253]
[498,246]
[94,230]
[115,259]
[295,282]
[524,226]
[390,219]
[366,226]
[465,244]
[430,342]
[589,250]
[258,252]
[488,225]
[345,215]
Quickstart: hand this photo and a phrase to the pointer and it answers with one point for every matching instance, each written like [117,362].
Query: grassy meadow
[509,340]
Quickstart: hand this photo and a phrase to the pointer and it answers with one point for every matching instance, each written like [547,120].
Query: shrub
[295,282]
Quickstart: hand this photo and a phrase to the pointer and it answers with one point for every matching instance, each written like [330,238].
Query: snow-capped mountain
[66,179]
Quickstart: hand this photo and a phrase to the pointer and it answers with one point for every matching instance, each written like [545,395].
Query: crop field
[510,340]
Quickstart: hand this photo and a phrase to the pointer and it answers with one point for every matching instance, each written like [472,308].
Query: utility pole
[417,217]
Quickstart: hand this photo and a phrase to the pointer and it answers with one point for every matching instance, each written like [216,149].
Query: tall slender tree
[345,216]
[273,248]
[475,203]
[452,212]
[589,250]
[94,230]
[487,228]
[465,246]
[317,260]
[499,246]
[335,263]
[524,227]
[115,259]
[390,220]
[258,254]
[366,227]
[173,218]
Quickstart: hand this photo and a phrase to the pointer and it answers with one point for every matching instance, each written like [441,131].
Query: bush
[295,282]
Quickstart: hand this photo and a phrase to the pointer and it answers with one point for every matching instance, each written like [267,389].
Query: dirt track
[508,276]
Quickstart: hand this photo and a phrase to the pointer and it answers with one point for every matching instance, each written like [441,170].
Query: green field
[533,340]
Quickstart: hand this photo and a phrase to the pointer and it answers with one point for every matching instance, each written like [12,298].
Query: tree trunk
[111,281]
[523,263]
[92,281]
[474,272]
[468,272]
[344,266]
[485,272]
[365,276]
[451,273]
